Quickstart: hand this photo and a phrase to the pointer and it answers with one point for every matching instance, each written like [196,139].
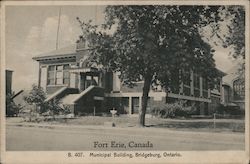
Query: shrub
[177,109]
[55,108]
[12,109]
[36,97]
[229,110]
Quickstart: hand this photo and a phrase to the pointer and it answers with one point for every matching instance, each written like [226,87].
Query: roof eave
[221,72]
[51,57]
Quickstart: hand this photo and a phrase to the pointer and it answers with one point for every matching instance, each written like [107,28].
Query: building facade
[67,75]
[234,89]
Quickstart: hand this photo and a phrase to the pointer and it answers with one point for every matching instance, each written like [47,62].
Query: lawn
[206,125]
[220,125]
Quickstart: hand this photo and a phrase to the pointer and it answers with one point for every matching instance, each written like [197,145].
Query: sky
[31,30]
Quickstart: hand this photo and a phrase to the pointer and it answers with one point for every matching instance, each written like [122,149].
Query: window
[174,82]
[51,75]
[186,91]
[205,83]
[186,78]
[217,84]
[58,75]
[239,89]
[196,81]
[66,74]
[186,82]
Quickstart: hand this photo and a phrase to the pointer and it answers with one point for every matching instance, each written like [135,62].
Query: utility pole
[58,28]
[95,14]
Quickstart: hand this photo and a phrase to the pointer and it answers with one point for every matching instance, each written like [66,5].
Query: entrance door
[88,80]
[135,105]
[98,106]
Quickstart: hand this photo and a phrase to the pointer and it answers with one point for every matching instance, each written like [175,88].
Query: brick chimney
[81,43]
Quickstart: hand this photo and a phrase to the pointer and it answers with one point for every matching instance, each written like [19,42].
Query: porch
[82,78]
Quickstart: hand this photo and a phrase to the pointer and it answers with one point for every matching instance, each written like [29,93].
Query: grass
[221,125]
[206,125]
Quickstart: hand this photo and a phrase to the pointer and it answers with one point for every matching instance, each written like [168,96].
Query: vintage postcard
[125,81]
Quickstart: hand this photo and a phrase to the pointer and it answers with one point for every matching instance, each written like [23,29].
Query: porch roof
[221,73]
[83,70]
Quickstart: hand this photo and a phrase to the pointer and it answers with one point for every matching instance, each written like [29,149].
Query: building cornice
[54,57]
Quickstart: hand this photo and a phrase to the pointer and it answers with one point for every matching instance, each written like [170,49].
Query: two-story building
[234,89]
[66,74]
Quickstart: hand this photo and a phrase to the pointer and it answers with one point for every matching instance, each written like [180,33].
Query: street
[127,139]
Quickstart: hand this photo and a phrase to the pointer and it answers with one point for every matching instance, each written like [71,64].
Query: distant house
[66,74]
[12,108]
[234,89]
[8,80]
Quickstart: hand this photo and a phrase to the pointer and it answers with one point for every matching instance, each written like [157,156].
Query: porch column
[181,88]
[130,105]
[181,82]
[73,80]
[201,89]
[100,79]
[209,93]
[39,75]
[221,92]
[79,81]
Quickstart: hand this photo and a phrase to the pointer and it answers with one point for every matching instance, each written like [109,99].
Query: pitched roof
[232,74]
[65,51]
[221,72]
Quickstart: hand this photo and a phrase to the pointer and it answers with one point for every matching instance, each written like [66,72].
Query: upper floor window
[205,83]
[217,84]
[186,78]
[58,74]
[196,81]
[239,89]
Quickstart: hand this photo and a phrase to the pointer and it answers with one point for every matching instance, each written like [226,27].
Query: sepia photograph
[125,81]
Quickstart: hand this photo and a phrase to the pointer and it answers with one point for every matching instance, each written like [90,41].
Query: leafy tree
[230,33]
[236,33]
[36,97]
[153,43]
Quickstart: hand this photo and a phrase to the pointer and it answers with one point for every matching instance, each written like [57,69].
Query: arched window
[239,89]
